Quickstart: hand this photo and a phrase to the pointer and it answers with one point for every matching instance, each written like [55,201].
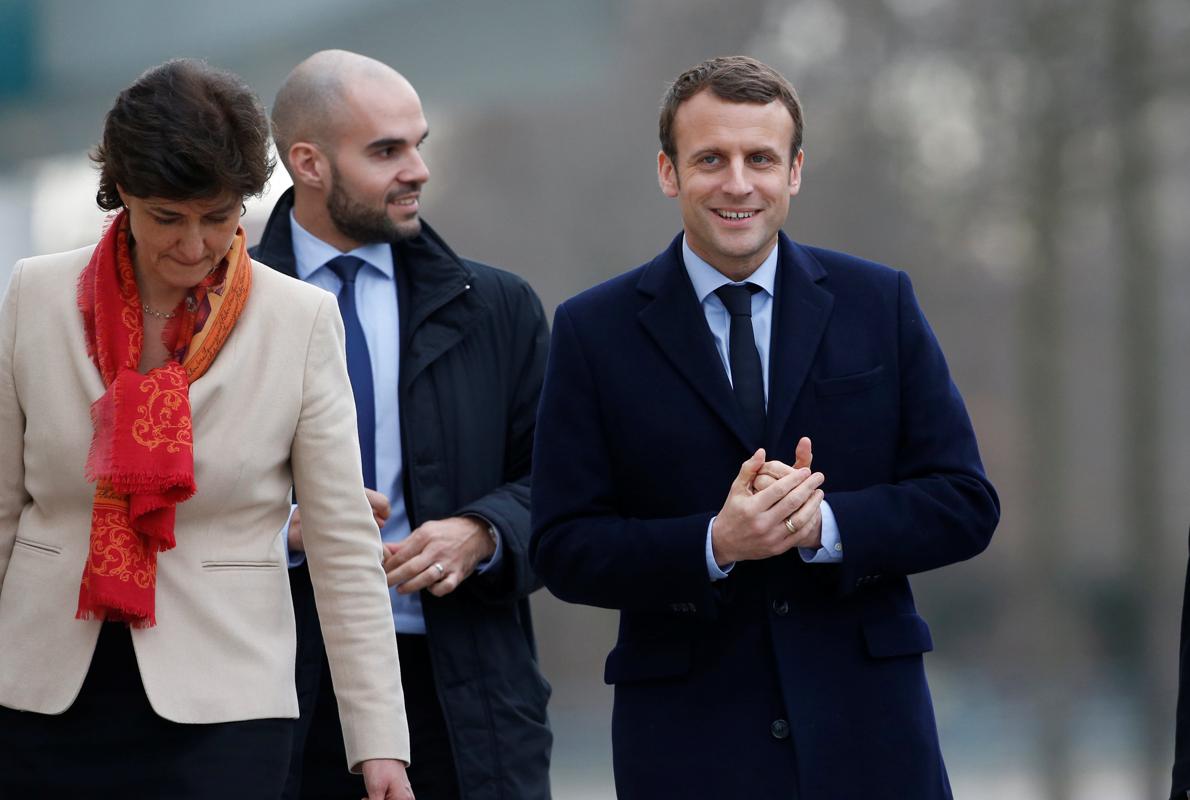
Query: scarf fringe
[131,618]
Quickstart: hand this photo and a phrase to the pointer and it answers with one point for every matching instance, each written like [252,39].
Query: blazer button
[780,608]
[779,729]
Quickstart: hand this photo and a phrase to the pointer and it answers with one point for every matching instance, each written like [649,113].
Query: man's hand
[380,511]
[752,525]
[772,471]
[385,779]
[296,545]
[456,544]
[380,506]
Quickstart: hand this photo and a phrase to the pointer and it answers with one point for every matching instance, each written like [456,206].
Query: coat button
[779,729]
[780,607]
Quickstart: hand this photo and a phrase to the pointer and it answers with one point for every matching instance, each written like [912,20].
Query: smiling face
[732,176]
[176,243]
[375,168]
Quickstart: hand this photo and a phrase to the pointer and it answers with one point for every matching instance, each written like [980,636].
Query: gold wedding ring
[789,525]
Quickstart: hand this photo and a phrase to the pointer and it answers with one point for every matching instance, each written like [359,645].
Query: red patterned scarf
[142,456]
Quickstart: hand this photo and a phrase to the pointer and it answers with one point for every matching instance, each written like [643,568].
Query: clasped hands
[770,509]
[438,556]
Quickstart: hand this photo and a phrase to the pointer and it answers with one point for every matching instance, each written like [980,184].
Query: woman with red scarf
[152,424]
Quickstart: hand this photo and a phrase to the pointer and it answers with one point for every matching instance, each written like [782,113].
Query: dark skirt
[110,743]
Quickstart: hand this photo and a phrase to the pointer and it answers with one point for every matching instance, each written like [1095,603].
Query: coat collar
[436,279]
[676,322]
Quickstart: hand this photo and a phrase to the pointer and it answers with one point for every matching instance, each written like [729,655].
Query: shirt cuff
[294,559]
[713,570]
[831,551]
[493,561]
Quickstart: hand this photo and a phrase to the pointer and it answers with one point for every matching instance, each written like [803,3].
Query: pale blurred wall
[980,148]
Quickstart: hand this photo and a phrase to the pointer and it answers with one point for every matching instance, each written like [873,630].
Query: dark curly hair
[737,79]
[184,131]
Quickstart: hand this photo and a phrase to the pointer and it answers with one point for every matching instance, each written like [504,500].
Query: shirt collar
[311,253]
[707,279]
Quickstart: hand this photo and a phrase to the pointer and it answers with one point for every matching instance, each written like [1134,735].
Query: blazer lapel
[675,321]
[800,317]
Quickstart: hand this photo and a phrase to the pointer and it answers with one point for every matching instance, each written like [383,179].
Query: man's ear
[667,175]
[795,173]
[309,166]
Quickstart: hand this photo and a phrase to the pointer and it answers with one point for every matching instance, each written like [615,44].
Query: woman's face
[178,242]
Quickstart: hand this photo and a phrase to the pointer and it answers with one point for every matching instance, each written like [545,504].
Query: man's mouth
[735,214]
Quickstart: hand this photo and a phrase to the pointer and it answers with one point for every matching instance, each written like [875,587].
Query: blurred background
[1026,161]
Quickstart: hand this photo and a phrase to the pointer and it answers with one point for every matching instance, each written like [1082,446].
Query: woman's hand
[385,779]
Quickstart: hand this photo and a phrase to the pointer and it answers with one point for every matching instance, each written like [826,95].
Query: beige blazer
[275,410]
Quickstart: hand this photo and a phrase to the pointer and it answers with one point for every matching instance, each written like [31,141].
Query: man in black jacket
[446,358]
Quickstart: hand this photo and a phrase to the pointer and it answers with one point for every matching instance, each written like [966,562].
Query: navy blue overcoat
[786,680]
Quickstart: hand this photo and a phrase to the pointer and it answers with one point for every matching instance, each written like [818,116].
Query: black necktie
[359,364]
[747,375]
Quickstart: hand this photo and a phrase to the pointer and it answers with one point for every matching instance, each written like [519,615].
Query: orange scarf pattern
[142,450]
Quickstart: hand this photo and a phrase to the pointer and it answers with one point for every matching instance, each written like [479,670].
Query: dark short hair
[184,131]
[737,79]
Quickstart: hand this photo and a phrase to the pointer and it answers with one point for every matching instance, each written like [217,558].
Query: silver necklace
[158,314]
[191,305]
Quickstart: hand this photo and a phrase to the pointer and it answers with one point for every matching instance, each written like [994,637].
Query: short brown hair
[737,79]
[183,131]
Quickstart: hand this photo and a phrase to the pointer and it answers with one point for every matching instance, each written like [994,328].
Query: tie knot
[737,298]
[346,267]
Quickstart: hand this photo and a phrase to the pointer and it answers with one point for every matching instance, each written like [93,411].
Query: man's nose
[414,170]
[737,180]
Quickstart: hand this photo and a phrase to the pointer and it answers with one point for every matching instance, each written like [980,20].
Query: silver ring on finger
[789,526]
[441,570]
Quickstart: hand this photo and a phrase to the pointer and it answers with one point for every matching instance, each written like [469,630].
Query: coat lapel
[442,306]
[800,316]
[276,242]
[675,321]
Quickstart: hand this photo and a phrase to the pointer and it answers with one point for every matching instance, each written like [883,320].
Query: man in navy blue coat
[769,646]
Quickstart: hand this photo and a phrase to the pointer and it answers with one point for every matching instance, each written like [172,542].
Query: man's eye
[165,220]
[710,161]
[760,159]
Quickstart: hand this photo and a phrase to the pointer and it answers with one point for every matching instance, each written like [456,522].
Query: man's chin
[407,228]
[744,246]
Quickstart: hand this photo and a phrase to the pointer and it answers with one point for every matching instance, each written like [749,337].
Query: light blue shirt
[706,279]
[380,318]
